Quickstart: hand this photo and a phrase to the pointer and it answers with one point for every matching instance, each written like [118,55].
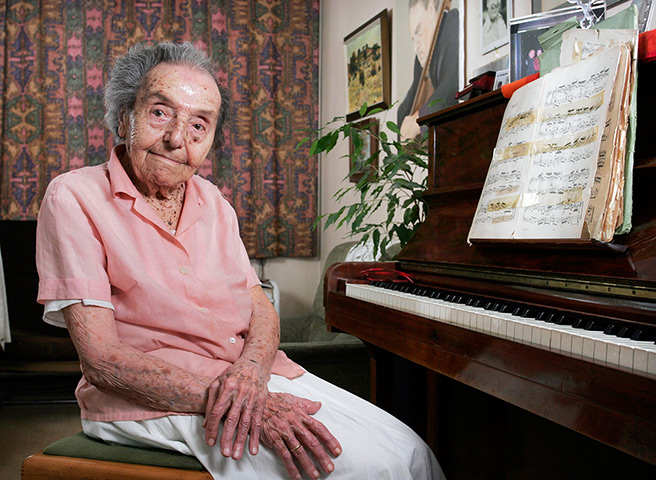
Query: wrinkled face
[422,22]
[170,132]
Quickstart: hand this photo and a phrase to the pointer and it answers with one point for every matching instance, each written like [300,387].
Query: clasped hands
[241,399]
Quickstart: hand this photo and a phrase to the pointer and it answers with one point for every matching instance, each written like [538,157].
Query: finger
[229,427]
[243,427]
[324,436]
[298,451]
[313,445]
[256,428]
[310,406]
[287,458]
[213,417]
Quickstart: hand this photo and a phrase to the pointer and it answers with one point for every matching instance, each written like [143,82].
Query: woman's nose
[175,133]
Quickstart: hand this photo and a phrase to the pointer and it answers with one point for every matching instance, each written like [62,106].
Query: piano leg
[398,386]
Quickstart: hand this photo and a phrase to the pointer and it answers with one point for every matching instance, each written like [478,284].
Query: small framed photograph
[525,47]
[367,55]
[494,23]
[363,144]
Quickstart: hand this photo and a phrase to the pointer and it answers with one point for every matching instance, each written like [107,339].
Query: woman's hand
[238,394]
[293,434]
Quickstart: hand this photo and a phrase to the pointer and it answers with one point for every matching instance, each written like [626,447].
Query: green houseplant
[391,179]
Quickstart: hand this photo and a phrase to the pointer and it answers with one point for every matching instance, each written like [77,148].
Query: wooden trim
[52,467]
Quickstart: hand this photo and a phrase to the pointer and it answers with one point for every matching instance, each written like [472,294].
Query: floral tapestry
[55,57]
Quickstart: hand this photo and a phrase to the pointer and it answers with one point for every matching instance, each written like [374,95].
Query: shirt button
[233,340]
[202,310]
[184,270]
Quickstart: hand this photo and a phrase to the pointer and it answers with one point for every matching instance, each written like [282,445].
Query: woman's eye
[158,113]
[198,127]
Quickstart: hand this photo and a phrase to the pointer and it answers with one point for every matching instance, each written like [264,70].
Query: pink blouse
[180,296]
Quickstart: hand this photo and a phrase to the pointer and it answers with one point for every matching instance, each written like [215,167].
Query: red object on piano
[373,274]
[647,46]
[509,88]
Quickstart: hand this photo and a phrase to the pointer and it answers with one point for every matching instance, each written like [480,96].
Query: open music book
[558,167]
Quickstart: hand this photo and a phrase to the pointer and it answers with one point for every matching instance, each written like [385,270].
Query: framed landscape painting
[367,55]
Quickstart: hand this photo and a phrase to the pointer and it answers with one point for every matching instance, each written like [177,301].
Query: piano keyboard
[633,350]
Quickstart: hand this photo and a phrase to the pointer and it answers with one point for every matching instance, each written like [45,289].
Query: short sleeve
[69,254]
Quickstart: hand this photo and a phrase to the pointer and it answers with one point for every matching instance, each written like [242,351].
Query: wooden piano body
[615,408]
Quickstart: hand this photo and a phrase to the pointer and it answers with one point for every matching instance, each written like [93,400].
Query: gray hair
[130,71]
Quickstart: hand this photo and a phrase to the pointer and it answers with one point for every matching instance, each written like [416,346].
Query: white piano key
[528,333]
[613,354]
[600,351]
[626,358]
[577,346]
[510,330]
[566,343]
[545,338]
[651,364]
[494,326]
[587,348]
[640,360]
[486,324]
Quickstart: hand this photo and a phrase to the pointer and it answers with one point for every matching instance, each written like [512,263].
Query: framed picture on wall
[429,58]
[525,47]
[494,23]
[367,54]
[364,139]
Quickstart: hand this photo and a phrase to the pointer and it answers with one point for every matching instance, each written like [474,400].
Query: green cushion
[81,446]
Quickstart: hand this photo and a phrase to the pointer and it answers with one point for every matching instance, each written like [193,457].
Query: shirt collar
[118,177]
[121,184]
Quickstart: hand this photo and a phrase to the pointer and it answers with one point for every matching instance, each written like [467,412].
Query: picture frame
[525,47]
[369,148]
[495,15]
[367,62]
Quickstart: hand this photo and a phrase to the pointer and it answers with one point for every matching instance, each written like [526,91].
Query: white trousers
[375,445]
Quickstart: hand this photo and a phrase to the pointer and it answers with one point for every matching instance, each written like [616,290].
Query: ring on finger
[296,448]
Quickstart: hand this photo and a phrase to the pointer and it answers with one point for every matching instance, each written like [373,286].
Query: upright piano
[563,331]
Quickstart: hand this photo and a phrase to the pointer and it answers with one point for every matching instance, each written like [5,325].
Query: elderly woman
[141,260]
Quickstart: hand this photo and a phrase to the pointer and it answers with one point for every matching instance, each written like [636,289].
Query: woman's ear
[123,125]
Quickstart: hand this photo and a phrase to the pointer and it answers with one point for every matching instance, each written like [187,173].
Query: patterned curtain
[56,55]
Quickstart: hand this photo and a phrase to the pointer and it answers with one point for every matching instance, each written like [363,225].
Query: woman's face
[170,132]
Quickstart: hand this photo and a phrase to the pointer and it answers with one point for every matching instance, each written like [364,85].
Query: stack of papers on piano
[558,167]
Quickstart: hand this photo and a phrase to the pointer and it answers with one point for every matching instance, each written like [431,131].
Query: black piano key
[644,334]
[505,308]
[528,313]
[562,319]
[579,322]
[625,332]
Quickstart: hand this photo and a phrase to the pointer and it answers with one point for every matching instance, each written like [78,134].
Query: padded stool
[79,457]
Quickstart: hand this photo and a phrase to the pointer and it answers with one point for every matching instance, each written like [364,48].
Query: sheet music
[606,211]
[544,165]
